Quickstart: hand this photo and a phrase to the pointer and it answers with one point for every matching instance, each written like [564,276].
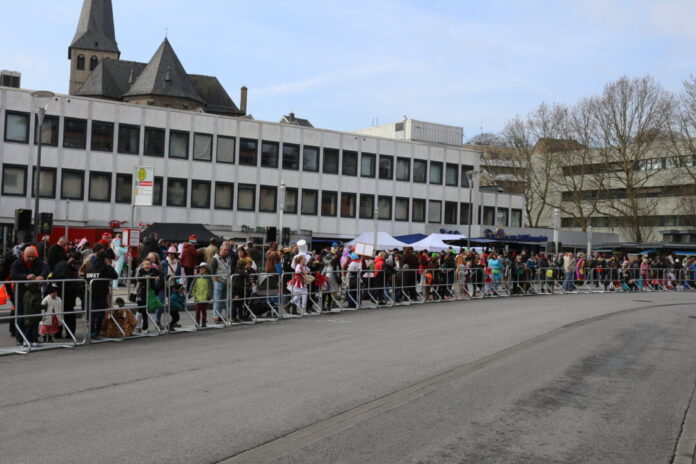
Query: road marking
[304,436]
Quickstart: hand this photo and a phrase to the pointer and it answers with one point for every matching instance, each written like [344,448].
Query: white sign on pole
[131,237]
[143,186]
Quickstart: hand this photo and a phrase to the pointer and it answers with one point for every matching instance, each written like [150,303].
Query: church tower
[94,40]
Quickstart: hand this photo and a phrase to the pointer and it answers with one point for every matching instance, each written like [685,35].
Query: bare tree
[488,139]
[629,118]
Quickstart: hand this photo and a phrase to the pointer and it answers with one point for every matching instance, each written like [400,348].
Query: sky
[345,65]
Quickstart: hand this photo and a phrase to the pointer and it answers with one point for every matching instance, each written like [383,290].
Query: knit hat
[193,238]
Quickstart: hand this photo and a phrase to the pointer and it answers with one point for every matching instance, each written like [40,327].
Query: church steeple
[95,39]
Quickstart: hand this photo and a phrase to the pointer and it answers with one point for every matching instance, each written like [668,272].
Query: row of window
[305,201]
[649,164]
[688,220]
[270,154]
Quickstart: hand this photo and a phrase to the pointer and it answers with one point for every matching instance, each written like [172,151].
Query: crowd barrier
[90,313]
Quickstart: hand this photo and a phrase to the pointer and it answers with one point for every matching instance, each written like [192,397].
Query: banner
[143,186]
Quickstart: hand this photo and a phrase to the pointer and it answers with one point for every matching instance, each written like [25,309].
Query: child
[177,302]
[31,303]
[201,294]
[428,283]
[52,315]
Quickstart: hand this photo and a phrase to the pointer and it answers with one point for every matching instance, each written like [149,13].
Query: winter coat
[51,307]
[31,303]
[98,269]
[177,302]
[201,289]
[189,256]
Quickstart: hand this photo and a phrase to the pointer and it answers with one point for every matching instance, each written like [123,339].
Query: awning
[384,241]
[179,231]
[410,238]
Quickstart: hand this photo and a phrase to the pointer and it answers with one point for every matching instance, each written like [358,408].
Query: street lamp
[280,213]
[40,99]
[374,237]
[471,177]
[556,227]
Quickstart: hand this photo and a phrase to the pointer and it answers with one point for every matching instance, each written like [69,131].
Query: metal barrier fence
[250,298]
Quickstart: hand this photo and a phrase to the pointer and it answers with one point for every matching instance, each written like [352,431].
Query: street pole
[67,219]
[374,237]
[589,241]
[41,113]
[280,213]
[471,177]
[556,226]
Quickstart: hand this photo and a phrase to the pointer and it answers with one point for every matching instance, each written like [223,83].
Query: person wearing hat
[201,293]
[354,268]
[172,272]
[177,302]
[221,270]
[51,314]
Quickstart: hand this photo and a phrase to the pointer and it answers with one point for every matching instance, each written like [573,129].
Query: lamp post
[280,213]
[374,237]
[589,241]
[556,227]
[40,99]
[471,176]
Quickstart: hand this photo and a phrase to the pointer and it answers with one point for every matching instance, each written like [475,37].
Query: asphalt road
[559,379]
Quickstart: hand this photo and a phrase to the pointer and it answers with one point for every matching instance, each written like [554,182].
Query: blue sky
[343,64]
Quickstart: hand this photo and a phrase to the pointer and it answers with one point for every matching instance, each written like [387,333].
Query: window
[367,206]
[72,185]
[465,178]
[403,169]
[14,180]
[420,171]
[203,147]
[93,62]
[74,133]
[102,136]
[386,167]
[348,205]
[247,151]
[488,215]
[269,154]
[154,141]
[464,212]
[49,131]
[384,204]
[367,165]
[176,192]
[268,198]
[349,166]
[435,172]
[124,188]
[309,202]
[502,217]
[435,211]
[224,194]
[516,218]
[290,201]
[16,127]
[128,139]
[451,212]
[225,149]
[401,209]
[452,175]
[158,190]
[246,197]
[418,209]
[329,203]
[178,144]
[47,182]
[330,161]
[310,159]
[100,186]
[291,157]
[200,193]
[80,62]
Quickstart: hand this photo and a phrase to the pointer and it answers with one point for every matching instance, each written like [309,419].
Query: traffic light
[285,239]
[271,234]
[45,223]
[23,219]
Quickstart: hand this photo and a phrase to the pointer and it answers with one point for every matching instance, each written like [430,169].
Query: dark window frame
[428,211]
[80,64]
[332,152]
[286,161]
[55,183]
[83,144]
[122,175]
[333,193]
[48,117]
[107,175]
[82,181]
[92,138]
[456,173]
[316,203]
[304,155]
[348,154]
[396,168]
[120,148]
[366,195]
[512,212]
[408,209]
[424,171]
[413,209]
[215,196]
[158,187]
[442,172]
[186,191]
[463,178]
[26,180]
[456,212]
[154,130]
[256,152]
[274,189]
[188,144]
[372,156]
[270,143]
[217,148]
[210,191]
[297,201]
[246,186]
[391,207]
[464,217]
[355,204]
[93,62]
[26,133]
[389,158]
[193,147]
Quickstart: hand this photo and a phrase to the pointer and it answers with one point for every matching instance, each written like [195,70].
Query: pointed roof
[291,119]
[216,98]
[165,76]
[95,29]
[111,78]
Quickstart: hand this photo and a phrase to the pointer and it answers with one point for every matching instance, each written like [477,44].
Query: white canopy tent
[384,241]
[436,242]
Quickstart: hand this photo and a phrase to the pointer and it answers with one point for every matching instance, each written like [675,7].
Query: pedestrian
[70,290]
[51,315]
[98,273]
[31,302]
[177,302]
[189,260]
[30,268]
[57,252]
[201,294]
[221,270]
[299,281]
[149,283]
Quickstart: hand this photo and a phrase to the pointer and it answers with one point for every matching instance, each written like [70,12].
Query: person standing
[57,253]
[221,270]
[211,250]
[69,291]
[189,260]
[51,315]
[30,268]
[99,273]
[568,271]
[149,282]
[201,294]
[298,286]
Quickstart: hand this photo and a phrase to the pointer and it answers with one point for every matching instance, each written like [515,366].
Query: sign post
[143,189]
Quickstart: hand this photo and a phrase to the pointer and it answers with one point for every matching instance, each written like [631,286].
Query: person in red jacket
[190,258]
[379,292]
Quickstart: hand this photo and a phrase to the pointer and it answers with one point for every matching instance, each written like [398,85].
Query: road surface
[598,378]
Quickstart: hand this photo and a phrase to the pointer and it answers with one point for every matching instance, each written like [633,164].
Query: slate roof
[111,79]
[165,76]
[291,119]
[95,29]
[216,98]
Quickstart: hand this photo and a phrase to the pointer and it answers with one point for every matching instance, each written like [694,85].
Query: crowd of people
[164,277]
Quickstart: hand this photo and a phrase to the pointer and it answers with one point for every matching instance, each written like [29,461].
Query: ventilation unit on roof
[10,79]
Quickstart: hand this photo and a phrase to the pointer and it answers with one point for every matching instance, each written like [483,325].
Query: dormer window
[93,63]
[80,62]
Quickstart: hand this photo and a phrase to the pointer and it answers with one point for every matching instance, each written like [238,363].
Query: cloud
[675,18]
